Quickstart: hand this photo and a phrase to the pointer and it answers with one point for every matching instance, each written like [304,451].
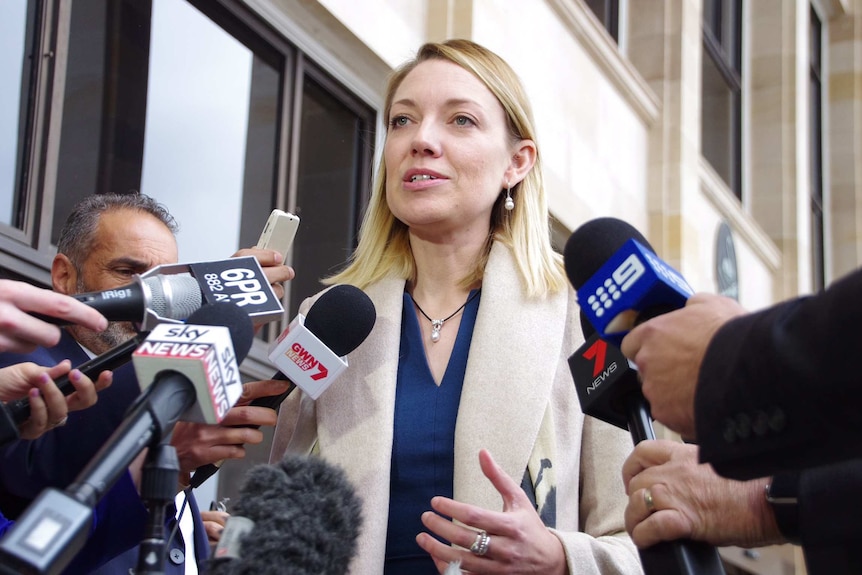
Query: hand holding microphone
[669,350]
[621,282]
[271,262]
[170,293]
[21,332]
[47,405]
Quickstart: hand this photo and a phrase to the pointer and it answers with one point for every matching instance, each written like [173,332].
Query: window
[198,104]
[721,89]
[17,47]
[608,13]
[815,115]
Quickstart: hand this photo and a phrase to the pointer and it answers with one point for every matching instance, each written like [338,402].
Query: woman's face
[447,152]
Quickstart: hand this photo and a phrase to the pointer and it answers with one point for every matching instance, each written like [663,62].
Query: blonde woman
[460,403]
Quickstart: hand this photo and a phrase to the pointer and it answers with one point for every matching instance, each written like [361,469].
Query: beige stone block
[772,70]
[648,56]
[846,199]
[768,104]
[846,86]
[647,18]
[843,29]
[843,172]
[771,143]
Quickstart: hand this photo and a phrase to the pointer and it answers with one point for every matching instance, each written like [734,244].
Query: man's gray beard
[116,333]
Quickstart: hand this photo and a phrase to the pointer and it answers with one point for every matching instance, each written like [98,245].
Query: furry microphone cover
[306,521]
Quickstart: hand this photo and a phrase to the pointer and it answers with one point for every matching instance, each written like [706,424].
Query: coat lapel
[514,356]
[356,419]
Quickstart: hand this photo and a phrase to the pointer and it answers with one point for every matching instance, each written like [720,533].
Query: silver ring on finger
[481,544]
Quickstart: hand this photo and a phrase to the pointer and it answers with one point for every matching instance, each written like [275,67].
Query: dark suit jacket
[777,393]
[56,458]
[779,389]
[830,499]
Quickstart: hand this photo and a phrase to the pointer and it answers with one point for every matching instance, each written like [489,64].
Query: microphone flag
[305,360]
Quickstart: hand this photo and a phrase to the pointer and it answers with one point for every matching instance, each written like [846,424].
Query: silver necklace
[437,324]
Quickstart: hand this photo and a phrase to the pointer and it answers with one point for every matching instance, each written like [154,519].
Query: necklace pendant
[436,326]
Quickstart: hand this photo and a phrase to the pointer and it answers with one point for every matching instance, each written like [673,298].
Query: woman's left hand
[518,541]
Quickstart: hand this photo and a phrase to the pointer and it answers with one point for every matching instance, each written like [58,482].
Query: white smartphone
[279,231]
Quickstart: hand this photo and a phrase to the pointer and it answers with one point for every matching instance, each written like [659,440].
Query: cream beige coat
[518,401]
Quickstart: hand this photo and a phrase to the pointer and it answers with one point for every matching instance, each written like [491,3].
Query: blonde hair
[384,247]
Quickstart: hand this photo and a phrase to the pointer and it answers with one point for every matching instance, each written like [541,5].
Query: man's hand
[668,351]
[270,261]
[199,444]
[690,501]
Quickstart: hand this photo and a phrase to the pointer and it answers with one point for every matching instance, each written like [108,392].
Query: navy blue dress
[423,459]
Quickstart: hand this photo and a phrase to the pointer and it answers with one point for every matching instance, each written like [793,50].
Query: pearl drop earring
[510,203]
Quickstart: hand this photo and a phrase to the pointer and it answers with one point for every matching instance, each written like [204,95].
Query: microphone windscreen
[174,296]
[232,317]
[341,318]
[306,518]
[592,244]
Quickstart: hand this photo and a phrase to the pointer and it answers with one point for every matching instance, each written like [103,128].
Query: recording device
[340,320]
[610,262]
[619,279]
[278,232]
[55,526]
[17,412]
[302,513]
[170,293]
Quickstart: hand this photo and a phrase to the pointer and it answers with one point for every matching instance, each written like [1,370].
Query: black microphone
[54,528]
[606,381]
[619,279]
[341,319]
[172,292]
[300,516]
[165,296]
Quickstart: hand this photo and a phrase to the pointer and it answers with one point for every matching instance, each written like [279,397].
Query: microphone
[162,298]
[309,352]
[300,516]
[619,279]
[609,261]
[338,321]
[171,293]
[55,526]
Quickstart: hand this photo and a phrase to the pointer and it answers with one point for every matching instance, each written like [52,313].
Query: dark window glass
[721,88]
[333,153]
[815,114]
[607,11]
[18,48]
